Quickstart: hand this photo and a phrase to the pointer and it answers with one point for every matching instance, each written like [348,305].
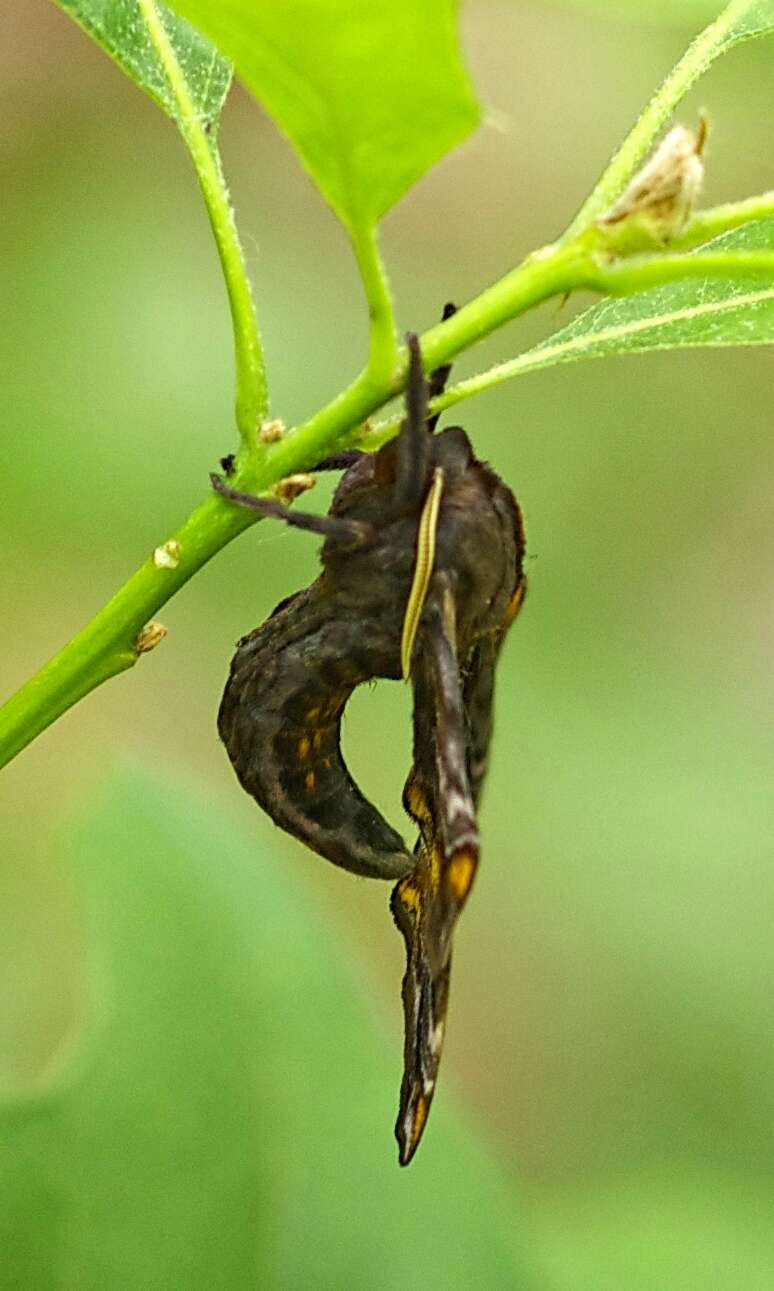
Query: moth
[422,575]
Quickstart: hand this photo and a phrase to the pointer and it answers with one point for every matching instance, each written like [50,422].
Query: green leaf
[691,313]
[370,94]
[741,20]
[118,26]
[226,1121]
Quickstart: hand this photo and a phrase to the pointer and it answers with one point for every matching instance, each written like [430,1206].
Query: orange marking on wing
[309,780]
[317,739]
[435,868]
[312,714]
[417,803]
[337,701]
[409,896]
[303,748]
[460,873]
[514,605]
[418,1122]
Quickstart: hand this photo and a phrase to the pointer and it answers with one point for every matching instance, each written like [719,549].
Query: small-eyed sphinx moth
[422,575]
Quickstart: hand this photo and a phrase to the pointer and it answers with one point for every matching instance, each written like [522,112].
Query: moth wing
[452,732]
[427,903]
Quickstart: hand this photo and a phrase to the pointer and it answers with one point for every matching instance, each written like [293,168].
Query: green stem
[611,280]
[628,277]
[547,355]
[383,347]
[723,219]
[532,282]
[107,645]
[251,387]
[714,40]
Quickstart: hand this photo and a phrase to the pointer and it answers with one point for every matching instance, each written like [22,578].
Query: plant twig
[619,280]
[723,219]
[627,277]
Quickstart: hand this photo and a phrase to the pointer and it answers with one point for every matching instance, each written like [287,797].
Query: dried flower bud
[150,636]
[272,431]
[662,195]
[289,488]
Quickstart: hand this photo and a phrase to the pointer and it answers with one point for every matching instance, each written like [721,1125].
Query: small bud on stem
[661,197]
[150,636]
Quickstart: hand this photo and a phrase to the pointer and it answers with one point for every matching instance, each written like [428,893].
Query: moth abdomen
[280,719]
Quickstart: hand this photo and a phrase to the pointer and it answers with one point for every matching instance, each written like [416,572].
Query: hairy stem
[251,387]
[623,279]
[723,219]
[628,277]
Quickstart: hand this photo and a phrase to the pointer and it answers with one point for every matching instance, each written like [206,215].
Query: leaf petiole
[251,386]
[383,347]
[723,219]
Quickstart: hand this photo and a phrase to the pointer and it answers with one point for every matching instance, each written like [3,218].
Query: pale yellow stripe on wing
[428,524]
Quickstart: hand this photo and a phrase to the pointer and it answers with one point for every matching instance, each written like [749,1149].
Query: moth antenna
[414,438]
[438,378]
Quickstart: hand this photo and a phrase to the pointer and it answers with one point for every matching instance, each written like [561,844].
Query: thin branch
[589,344]
[583,346]
[723,219]
[630,276]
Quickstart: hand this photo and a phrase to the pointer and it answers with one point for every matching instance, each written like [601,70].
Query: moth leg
[339,461]
[350,533]
[427,903]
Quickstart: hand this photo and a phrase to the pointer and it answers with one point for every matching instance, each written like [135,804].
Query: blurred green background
[199,1022]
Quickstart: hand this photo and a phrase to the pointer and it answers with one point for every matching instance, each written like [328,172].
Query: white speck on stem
[167,556]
